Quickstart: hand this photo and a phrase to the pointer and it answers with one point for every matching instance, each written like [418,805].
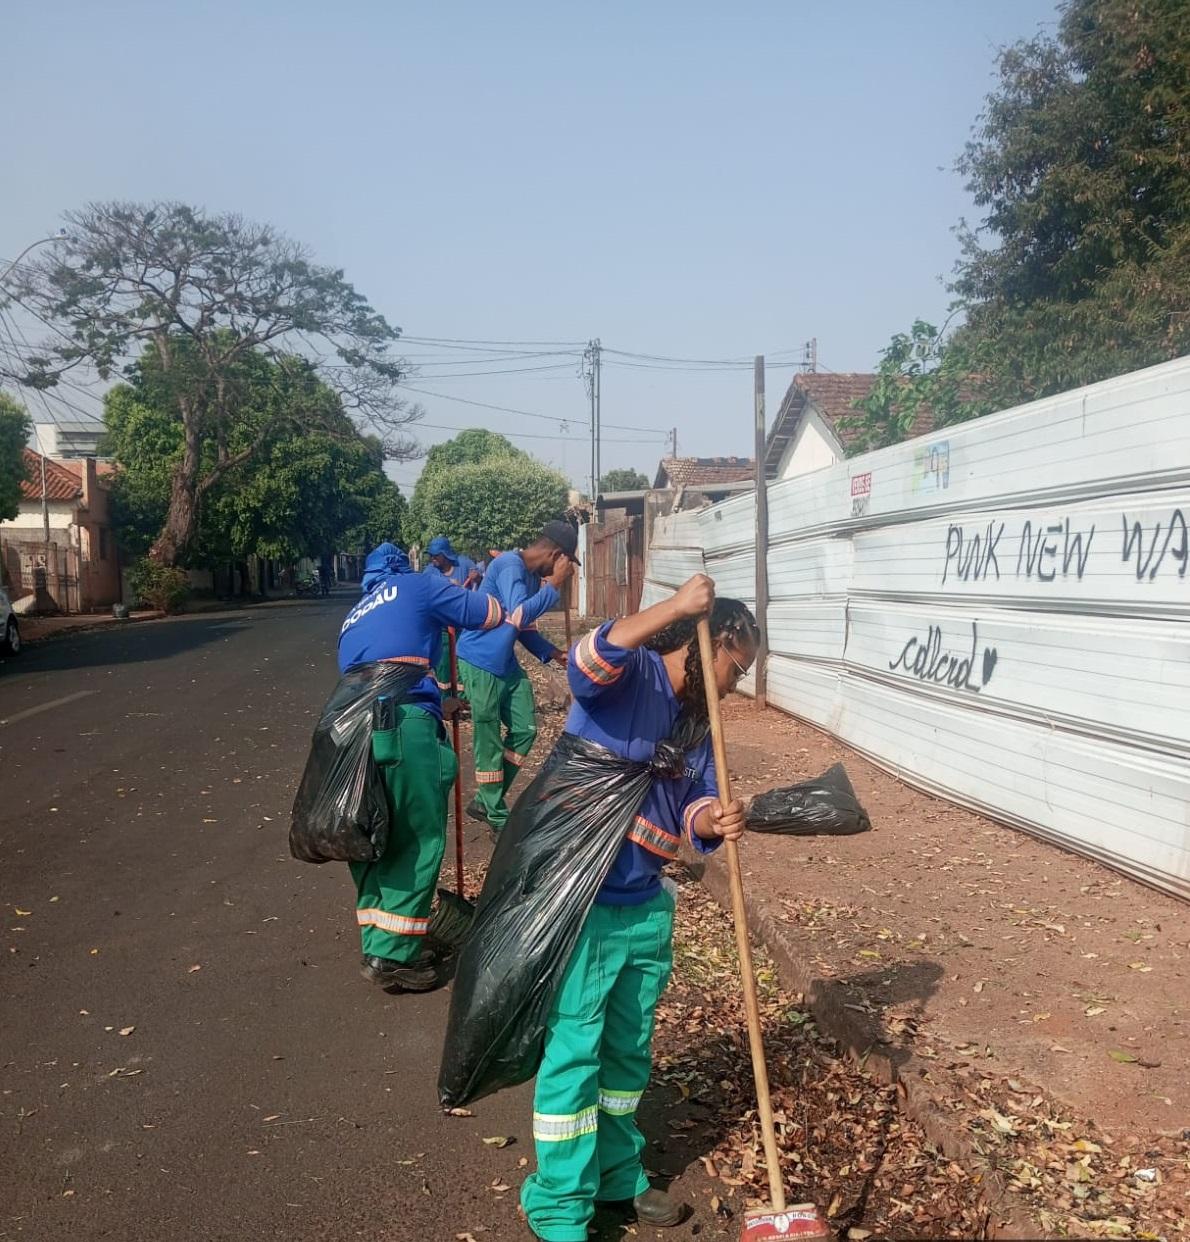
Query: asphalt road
[186,1048]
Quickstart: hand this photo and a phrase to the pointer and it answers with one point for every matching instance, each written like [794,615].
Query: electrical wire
[526,435]
[507,409]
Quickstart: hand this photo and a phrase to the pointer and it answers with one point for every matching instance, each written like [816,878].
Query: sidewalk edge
[1009,1215]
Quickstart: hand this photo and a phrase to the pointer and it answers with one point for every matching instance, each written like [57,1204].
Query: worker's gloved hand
[559,657]
[451,707]
[717,821]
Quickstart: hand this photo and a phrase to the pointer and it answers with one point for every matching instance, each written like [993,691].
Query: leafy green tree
[499,503]
[1080,269]
[208,294]
[623,481]
[14,432]
[1080,266]
[385,516]
[469,447]
[297,494]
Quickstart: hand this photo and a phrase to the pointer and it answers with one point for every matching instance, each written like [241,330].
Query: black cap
[564,535]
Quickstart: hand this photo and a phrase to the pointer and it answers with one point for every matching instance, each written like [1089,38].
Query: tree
[14,432]
[209,294]
[920,372]
[1080,269]
[469,447]
[623,481]
[296,495]
[384,518]
[499,503]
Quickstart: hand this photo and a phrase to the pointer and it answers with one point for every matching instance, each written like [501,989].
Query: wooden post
[762,538]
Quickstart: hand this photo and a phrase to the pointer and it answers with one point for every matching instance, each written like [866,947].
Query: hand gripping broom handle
[454,730]
[764,1104]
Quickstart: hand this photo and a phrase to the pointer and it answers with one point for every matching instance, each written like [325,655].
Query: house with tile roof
[810,431]
[80,572]
[714,477]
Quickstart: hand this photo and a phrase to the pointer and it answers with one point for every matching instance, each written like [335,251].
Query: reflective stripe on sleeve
[562,1127]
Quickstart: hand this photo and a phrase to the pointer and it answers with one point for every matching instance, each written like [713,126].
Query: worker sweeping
[503,717]
[632,679]
[400,620]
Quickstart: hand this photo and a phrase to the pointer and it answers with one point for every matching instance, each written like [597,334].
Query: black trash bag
[340,813]
[826,806]
[551,858]
[450,921]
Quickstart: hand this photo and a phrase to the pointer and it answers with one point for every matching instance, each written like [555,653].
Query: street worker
[400,618]
[631,679]
[501,696]
[462,571]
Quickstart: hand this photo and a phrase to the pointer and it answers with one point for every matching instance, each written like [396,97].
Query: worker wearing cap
[442,559]
[526,584]
[399,619]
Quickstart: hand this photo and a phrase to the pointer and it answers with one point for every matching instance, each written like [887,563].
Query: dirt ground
[1041,1001]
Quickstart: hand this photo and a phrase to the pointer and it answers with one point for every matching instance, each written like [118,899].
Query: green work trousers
[598,1054]
[394,893]
[503,726]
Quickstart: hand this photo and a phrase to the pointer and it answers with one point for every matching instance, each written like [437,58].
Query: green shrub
[160,586]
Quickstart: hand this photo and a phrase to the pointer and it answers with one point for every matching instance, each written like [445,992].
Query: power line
[467,343]
[508,409]
[526,435]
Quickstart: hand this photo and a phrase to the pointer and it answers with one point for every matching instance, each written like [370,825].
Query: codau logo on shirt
[384,595]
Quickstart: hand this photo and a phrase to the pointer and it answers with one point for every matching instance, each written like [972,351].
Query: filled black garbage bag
[339,814]
[824,806]
[552,856]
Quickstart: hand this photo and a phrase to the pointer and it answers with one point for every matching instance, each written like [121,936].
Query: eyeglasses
[740,670]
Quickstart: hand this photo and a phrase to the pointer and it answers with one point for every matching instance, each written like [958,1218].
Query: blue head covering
[441,547]
[383,561]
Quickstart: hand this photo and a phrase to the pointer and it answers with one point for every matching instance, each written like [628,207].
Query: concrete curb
[857,1036]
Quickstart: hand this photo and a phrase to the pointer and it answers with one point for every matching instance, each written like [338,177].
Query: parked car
[8,621]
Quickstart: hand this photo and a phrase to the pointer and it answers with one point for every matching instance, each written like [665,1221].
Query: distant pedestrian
[400,619]
[503,717]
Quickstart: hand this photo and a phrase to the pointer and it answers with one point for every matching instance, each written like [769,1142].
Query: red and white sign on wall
[861,484]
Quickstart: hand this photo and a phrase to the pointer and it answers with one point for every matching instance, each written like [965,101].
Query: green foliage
[502,502]
[920,373]
[623,481]
[1081,160]
[1080,266]
[296,494]
[470,447]
[385,516]
[214,299]
[162,587]
[14,432]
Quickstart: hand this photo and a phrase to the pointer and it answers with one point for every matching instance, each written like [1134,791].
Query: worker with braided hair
[633,679]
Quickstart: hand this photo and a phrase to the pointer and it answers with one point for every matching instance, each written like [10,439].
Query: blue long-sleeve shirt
[458,574]
[623,701]
[524,597]
[402,619]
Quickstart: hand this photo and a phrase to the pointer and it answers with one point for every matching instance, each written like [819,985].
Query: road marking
[45,707]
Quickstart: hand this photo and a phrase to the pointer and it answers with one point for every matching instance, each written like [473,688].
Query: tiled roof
[834,396]
[703,471]
[60,483]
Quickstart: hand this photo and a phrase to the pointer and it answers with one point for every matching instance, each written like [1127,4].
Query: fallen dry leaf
[499,1140]
[127,1030]
[1125,1058]
[459,1112]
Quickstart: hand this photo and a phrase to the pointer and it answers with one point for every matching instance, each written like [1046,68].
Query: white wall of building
[997,612]
[814,447]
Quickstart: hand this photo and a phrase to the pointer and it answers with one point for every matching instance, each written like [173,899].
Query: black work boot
[652,1207]
[475,811]
[419,975]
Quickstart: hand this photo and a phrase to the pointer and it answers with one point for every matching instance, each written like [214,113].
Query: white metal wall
[998,612]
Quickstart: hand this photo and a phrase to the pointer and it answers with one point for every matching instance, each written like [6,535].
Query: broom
[451,920]
[775,1223]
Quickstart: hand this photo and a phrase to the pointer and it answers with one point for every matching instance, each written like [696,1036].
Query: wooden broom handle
[764,1103]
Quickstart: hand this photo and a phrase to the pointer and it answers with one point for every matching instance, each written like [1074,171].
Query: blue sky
[685,179]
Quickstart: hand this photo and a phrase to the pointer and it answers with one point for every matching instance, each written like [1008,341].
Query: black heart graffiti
[990,656]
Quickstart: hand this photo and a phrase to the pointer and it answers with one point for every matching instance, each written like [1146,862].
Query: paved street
[186,1049]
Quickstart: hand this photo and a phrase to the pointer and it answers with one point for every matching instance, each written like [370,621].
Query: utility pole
[810,356]
[673,437]
[762,534]
[592,372]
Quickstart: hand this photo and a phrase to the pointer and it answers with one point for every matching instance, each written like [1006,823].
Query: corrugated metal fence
[997,612]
